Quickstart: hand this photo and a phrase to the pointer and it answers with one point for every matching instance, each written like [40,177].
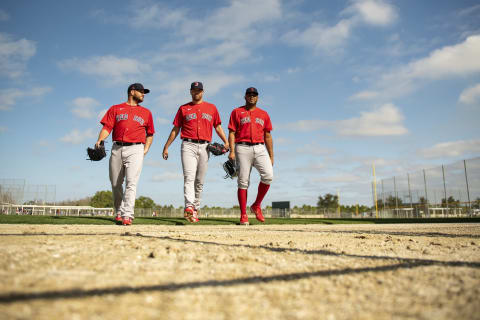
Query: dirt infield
[402,271]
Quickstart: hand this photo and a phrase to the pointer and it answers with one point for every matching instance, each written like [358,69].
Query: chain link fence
[446,190]
[16,191]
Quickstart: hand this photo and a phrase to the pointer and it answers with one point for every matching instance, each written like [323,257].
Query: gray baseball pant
[194,163]
[125,164]
[253,156]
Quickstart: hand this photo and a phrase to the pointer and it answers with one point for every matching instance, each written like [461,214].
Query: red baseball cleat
[118,219]
[188,214]
[258,213]
[244,220]
[195,216]
[127,221]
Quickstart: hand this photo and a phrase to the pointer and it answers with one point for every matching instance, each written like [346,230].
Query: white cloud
[221,37]
[228,21]
[470,95]
[364,95]
[155,16]
[458,60]
[9,97]
[321,37]
[177,91]
[4,15]
[293,70]
[110,68]
[330,39]
[76,136]
[85,107]
[224,53]
[374,12]
[470,10]
[14,55]
[452,149]
[385,121]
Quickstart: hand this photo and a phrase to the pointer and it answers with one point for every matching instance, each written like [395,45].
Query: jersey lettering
[207,117]
[191,116]
[244,120]
[139,120]
[122,116]
[259,121]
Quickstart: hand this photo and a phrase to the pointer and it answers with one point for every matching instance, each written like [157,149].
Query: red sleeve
[150,126]
[108,119]
[216,119]
[178,121]
[268,123]
[232,125]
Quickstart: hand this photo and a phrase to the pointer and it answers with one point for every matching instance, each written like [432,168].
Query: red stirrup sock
[242,200]
[262,191]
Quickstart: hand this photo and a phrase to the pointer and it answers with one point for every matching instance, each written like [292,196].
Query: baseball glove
[230,168]
[217,149]
[96,154]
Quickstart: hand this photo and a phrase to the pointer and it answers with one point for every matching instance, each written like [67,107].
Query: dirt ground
[402,271]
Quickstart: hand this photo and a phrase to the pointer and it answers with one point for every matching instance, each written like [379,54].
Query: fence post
[409,191]
[444,188]
[426,195]
[466,181]
[383,197]
[395,191]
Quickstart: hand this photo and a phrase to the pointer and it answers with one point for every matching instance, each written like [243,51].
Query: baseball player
[132,136]
[251,145]
[195,120]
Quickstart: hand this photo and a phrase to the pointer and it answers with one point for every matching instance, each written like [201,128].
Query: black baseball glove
[96,154]
[217,149]
[230,168]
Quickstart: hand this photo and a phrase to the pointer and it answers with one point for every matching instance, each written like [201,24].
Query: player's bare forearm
[269,144]
[231,142]
[171,137]
[148,143]
[222,136]
[102,136]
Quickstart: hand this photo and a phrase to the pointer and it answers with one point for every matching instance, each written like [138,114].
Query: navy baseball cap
[196,85]
[138,87]
[251,90]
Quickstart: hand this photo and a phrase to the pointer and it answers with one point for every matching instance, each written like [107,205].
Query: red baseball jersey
[249,126]
[129,123]
[197,120]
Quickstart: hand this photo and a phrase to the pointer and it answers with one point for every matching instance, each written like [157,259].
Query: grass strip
[101,220]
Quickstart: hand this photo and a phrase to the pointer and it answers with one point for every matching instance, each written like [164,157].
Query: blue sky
[346,83]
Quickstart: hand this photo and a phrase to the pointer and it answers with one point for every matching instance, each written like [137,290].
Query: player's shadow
[14,297]
[391,233]
[398,263]
[170,221]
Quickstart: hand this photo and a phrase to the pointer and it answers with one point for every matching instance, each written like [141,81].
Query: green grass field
[26,219]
